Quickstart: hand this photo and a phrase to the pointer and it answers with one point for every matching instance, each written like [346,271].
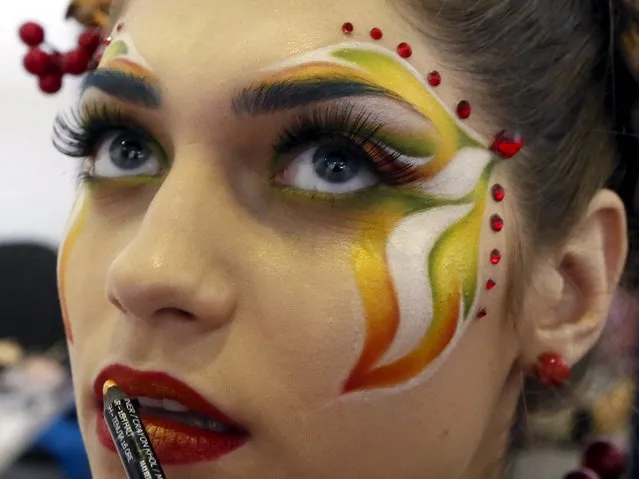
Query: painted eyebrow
[124,86]
[268,98]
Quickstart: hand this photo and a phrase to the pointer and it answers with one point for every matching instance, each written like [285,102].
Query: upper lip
[159,385]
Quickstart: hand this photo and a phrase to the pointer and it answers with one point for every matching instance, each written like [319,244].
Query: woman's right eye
[125,153]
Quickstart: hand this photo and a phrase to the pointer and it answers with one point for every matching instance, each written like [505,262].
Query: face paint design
[74,228]
[125,74]
[416,261]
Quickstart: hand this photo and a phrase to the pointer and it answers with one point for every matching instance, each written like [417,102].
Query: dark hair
[551,69]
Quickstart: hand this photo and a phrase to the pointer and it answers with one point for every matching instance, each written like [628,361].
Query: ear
[572,292]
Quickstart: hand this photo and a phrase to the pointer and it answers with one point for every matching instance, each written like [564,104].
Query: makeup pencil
[128,434]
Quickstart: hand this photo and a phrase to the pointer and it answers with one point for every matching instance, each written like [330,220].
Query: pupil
[128,153]
[335,164]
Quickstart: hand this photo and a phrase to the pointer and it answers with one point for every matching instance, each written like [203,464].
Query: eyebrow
[124,86]
[267,98]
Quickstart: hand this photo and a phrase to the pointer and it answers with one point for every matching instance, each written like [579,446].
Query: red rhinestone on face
[482,313]
[605,459]
[496,223]
[376,34]
[490,284]
[463,109]
[495,256]
[498,193]
[434,78]
[507,144]
[404,50]
[347,28]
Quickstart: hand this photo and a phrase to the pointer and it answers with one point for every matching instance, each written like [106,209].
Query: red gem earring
[552,370]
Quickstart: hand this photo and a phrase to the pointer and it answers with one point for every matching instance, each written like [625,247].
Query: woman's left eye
[330,167]
[123,153]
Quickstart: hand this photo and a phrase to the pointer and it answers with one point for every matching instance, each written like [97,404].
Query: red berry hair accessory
[49,64]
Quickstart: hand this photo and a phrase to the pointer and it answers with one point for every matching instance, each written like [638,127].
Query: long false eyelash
[76,132]
[360,128]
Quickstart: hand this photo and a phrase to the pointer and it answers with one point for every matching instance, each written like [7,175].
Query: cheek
[91,242]
[76,224]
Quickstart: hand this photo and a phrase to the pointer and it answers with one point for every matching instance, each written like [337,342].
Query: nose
[172,268]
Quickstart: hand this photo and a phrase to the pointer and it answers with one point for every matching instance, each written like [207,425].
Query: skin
[303,316]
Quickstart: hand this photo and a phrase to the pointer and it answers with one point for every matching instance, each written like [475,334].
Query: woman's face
[289,220]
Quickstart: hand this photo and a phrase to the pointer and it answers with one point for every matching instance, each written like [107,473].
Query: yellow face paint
[75,227]
[416,260]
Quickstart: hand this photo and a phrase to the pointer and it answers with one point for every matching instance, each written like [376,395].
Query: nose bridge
[186,213]
[179,257]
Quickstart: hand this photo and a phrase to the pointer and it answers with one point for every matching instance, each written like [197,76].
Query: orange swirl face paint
[416,259]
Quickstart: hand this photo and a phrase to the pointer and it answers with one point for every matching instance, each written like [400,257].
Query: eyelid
[121,116]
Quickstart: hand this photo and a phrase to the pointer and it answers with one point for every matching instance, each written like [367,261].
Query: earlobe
[584,276]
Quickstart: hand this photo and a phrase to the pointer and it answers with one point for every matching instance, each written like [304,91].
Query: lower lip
[178,444]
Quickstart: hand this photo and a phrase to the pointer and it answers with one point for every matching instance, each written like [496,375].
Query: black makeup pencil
[128,434]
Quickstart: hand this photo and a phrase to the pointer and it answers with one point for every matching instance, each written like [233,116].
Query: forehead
[205,42]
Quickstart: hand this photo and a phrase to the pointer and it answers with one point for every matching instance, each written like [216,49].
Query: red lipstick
[184,428]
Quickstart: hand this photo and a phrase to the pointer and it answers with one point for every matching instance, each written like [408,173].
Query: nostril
[176,313]
[116,303]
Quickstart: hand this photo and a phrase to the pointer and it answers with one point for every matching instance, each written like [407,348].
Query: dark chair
[30,310]
[30,314]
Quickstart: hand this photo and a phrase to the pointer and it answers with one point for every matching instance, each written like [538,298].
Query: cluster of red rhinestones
[404,49]
[498,194]
[49,65]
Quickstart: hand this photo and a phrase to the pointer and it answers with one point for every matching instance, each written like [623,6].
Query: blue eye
[332,167]
[124,153]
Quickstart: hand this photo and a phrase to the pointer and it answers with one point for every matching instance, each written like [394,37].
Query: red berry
[36,61]
[75,62]
[31,34]
[605,459]
[89,41]
[50,83]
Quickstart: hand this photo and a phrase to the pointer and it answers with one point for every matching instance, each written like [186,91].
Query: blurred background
[39,436]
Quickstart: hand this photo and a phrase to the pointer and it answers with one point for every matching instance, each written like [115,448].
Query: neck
[490,457]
